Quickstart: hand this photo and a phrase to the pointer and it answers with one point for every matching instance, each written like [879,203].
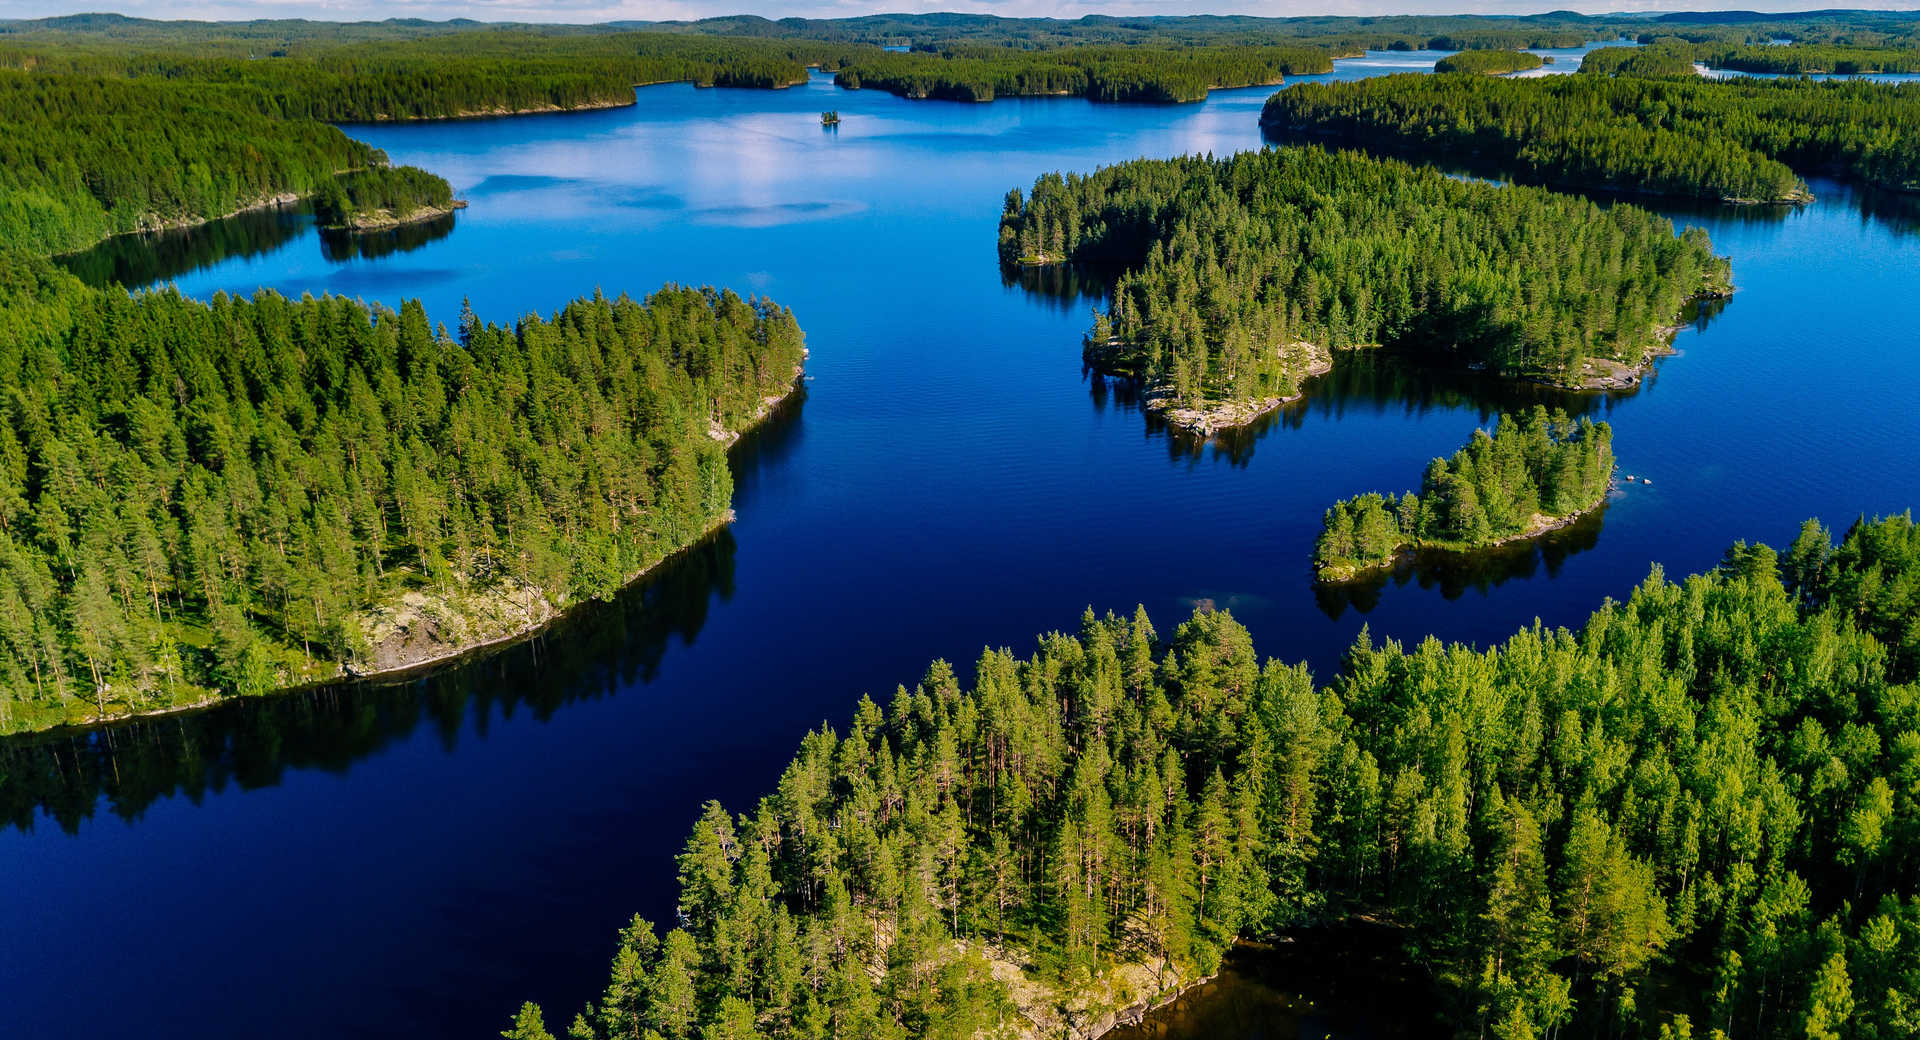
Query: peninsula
[381,196]
[289,491]
[1073,835]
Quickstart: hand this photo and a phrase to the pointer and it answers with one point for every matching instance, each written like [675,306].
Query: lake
[1875,77]
[417,858]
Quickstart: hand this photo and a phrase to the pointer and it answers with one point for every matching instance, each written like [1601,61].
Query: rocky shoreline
[151,224]
[1226,415]
[421,630]
[403,638]
[1540,524]
[767,405]
[1137,1013]
[1605,374]
[384,220]
[1110,1001]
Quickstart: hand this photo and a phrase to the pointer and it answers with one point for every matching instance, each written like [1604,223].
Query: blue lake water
[1875,77]
[416,859]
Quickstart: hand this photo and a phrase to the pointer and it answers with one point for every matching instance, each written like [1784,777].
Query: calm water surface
[1350,981]
[416,859]
[1876,77]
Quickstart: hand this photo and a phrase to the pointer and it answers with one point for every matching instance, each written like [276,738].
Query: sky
[611,10]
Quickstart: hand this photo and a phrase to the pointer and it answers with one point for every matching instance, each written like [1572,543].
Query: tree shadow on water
[1456,574]
[598,650]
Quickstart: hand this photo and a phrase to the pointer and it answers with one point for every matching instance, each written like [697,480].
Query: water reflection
[1897,210]
[1374,382]
[1456,574]
[1871,77]
[340,247]
[143,259]
[146,259]
[253,743]
[1070,287]
[1347,982]
[945,488]
[1368,382]
[761,452]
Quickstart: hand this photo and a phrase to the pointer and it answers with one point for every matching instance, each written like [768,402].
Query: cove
[392,860]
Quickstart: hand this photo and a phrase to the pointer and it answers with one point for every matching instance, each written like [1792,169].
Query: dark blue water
[417,859]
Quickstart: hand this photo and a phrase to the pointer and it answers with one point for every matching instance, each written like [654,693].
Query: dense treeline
[1661,59]
[1801,59]
[1696,816]
[388,194]
[1396,32]
[268,37]
[1670,56]
[1098,801]
[975,73]
[87,157]
[1535,469]
[228,497]
[470,73]
[1733,140]
[1489,62]
[1230,260]
[1848,28]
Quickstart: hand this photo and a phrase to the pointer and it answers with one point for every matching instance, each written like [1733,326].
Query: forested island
[383,196]
[1665,58]
[1535,472]
[200,500]
[1489,62]
[1146,73]
[1813,59]
[1693,817]
[1609,128]
[1242,274]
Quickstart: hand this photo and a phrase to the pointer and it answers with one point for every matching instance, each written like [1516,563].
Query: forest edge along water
[484,734]
[422,630]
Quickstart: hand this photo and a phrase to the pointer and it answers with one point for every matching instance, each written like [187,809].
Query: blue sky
[608,10]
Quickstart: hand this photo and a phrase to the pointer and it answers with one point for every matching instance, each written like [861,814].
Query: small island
[1489,62]
[1538,471]
[1240,278]
[829,119]
[381,196]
